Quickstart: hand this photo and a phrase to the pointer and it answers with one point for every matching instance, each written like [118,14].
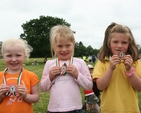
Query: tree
[79,49]
[89,51]
[36,33]
[139,48]
[0,48]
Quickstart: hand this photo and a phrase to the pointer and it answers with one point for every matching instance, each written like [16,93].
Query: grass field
[41,105]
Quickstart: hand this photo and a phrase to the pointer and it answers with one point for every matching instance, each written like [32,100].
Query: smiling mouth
[63,54]
[14,64]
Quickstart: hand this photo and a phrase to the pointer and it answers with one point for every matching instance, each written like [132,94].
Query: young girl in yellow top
[18,86]
[117,72]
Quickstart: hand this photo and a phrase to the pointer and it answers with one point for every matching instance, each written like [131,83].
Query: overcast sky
[89,18]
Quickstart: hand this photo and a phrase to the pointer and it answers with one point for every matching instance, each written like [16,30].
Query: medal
[63,69]
[121,54]
[64,66]
[12,89]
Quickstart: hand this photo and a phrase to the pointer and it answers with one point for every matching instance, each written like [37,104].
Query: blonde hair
[57,32]
[18,42]
[118,28]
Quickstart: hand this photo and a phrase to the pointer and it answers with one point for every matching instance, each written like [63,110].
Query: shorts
[92,99]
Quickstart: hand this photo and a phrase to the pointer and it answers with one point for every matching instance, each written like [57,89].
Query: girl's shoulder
[51,62]
[78,61]
[25,71]
[137,63]
[1,74]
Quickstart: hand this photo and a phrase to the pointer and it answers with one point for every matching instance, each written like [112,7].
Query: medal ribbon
[63,72]
[19,77]
[58,61]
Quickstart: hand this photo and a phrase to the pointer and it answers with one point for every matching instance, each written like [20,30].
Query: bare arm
[134,79]
[1,97]
[103,82]
[30,98]
[34,96]
[135,82]
[3,90]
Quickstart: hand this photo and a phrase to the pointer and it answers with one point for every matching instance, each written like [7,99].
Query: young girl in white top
[64,75]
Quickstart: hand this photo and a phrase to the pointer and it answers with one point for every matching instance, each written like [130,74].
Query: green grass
[41,105]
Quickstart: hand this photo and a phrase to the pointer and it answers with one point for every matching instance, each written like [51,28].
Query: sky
[89,18]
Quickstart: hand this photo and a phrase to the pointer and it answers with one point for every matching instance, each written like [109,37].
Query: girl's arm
[45,82]
[49,73]
[33,97]
[82,75]
[103,82]
[3,90]
[1,98]
[134,80]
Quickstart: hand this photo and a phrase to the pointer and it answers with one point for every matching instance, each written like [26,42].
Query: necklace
[12,88]
[64,66]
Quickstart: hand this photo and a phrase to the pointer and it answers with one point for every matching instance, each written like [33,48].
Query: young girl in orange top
[18,86]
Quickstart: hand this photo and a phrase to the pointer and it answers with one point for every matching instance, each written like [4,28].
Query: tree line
[36,33]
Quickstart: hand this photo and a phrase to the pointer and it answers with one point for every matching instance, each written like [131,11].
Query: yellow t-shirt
[13,104]
[119,96]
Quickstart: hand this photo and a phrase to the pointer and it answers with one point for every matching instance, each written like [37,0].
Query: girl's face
[119,43]
[14,57]
[64,49]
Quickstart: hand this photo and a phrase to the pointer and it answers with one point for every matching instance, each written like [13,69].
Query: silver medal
[12,90]
[121,54]
[63,69]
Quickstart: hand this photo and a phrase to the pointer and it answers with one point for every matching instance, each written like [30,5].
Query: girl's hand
[115,59]
[128,61]
[3,90]
[71,69]
[54,71]
[22,91]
